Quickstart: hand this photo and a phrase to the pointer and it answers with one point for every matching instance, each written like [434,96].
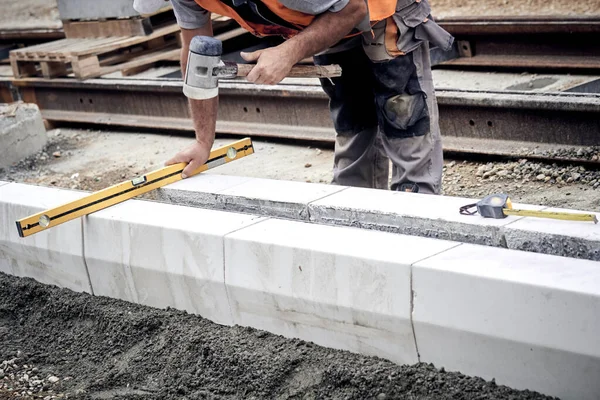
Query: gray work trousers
[385,111]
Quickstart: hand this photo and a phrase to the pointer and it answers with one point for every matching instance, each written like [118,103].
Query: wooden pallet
[93,57]
[136,26]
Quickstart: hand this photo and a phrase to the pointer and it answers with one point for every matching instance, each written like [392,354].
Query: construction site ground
[91,160]
[60,344]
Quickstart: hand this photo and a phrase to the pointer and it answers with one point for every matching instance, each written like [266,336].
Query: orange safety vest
[294,20]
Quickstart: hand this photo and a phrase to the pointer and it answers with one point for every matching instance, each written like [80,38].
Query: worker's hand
[195,155]
[272,65]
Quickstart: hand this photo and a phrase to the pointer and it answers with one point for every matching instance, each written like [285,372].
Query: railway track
[496,123]
[528,42]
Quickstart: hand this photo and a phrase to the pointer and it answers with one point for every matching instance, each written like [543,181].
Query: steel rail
[498,123]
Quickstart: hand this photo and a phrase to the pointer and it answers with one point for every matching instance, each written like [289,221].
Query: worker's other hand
[195,155]
[272,65]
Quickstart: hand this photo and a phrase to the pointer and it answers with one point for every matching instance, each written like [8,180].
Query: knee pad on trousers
[404,111]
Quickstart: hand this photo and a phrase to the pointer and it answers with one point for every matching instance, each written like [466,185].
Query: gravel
[18,380]
[523,178]
[82,347]
[525,171]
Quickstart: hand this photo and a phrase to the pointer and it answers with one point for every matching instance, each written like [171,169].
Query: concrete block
[53,257]
[22,132]
[268,197]
[411,214]
[338,287]
[199,191]
[93,10]
[161,255]
[528,320]
[548,236]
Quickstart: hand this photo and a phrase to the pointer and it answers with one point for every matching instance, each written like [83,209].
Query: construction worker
[383,106]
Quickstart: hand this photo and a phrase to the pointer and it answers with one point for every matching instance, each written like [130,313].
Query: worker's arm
[273,64]
[204,113]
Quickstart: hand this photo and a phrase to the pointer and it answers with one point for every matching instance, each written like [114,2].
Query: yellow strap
[552,214]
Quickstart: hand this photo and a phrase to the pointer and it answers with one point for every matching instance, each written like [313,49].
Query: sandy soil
[490,8]
[59,344]
[93,160]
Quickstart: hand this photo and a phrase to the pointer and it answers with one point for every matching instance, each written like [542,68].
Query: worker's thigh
[359,159]
[351,100]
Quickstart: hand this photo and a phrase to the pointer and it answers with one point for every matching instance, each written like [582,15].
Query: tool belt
[409,27]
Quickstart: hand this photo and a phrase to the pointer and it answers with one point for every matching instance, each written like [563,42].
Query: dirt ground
[93,160]
[60,344]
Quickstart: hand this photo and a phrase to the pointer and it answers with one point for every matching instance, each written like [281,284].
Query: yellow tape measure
[500,206]
[128,189]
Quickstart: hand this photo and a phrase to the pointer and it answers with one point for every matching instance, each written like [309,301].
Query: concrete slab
[53,257]
[411,214]
[161,255]
[269,197]
[200,190]
[446,79]
[548,236]
[22,132]
[528,320]
[338,287]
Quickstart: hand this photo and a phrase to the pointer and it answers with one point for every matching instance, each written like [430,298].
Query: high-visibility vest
[270,17]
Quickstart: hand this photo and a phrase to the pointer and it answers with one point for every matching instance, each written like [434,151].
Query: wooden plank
[139,61]
[123,57]
[119,43]
[90,44]
[136,70]
[108,28]
[86,67]
[45,47]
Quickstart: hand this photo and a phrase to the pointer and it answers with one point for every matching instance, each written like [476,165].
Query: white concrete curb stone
[162,255]
[529,320]
[411,214]
[567,238]
[53,257]
[338,287]
[268,197]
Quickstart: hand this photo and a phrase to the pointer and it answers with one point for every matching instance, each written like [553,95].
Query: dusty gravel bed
[83,347]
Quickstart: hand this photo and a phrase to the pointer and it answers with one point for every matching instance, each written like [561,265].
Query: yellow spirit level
[128,189]
[500,206]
